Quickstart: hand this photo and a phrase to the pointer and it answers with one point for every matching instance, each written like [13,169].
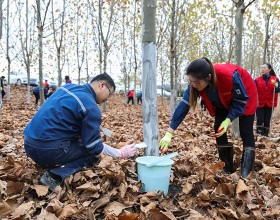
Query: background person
[64,135]
[228,92]
[36,93]
[46,85]
[130,96]
[139,97]
[268,89]
[67,80]
[2,86]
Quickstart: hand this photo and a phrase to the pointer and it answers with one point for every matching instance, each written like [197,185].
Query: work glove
[127,151]
[273,81]
[223,128]
[165,142]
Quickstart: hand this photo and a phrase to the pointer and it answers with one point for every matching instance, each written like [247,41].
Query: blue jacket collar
[91,90]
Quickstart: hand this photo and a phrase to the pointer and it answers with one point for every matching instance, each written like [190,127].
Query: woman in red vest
[229,92]
[268,89]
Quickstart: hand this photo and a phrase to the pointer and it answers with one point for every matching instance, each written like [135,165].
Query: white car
[15,78]
[165,93]
[33,81]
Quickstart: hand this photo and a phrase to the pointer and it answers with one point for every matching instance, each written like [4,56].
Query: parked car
[165,93]
[15,78]
[33,81]
[52,84]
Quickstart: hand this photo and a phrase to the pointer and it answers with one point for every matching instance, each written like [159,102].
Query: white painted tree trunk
[149,105]
[149,78]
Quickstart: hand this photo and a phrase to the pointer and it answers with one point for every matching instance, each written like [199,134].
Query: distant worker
[130,96]
[268,89]
[52,90]
[139,97]
[36,93]
[2,86]
[46,85]
[67,80]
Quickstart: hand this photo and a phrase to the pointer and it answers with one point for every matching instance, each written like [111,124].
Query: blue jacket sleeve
[240,98]
[181,110]
[91,137]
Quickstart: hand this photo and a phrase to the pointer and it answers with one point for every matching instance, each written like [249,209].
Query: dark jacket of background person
[36,93]
[2,86]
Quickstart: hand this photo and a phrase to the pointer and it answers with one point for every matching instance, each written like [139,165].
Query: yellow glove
[223,128]
[165,142]
[273,81]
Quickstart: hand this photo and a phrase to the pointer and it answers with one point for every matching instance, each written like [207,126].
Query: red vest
[224,72]
[265,92]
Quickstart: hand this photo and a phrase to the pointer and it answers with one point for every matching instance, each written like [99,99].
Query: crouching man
[64,135]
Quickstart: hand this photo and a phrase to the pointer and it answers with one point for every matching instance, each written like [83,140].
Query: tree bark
[149,79]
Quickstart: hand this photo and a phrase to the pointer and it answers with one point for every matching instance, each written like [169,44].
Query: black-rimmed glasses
[110,92]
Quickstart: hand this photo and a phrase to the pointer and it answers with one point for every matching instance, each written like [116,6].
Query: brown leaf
[68,211]
[41,190]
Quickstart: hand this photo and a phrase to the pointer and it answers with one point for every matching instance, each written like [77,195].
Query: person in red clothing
[268,89]
[130,96]
[46,85]
[68,80]
[229,92]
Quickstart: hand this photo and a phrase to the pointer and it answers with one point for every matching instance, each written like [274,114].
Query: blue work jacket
[70,114]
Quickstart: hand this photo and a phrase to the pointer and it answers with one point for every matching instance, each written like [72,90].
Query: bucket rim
[166,162]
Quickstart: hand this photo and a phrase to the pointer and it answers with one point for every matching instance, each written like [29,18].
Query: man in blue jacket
[36,93]
[64,135]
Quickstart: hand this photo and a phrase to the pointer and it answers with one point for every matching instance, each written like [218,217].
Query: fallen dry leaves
[110,190]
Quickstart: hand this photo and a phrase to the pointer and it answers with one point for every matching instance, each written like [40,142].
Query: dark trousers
[37,97]
[263,120]
[3,93]
[64,158]
[139,99]
[246,123]
[128,100]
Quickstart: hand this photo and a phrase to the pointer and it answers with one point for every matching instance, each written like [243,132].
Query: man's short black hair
[104,77]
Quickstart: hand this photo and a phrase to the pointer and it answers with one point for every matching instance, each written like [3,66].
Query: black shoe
[51,180]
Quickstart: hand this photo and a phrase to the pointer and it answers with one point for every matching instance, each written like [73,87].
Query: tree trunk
[149,79]
[172,58]
[1,18]
[266,38]
[40,42]
[8,51]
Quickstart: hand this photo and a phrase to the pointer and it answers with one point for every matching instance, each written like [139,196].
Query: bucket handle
[160,159]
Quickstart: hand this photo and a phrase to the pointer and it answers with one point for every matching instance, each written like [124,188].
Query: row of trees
[84,38]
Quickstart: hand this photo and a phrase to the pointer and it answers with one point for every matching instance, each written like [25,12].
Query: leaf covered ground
[111,190]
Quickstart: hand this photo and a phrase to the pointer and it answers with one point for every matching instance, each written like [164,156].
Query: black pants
[263,120]
[139,99]
[128,100]
[246,123]
[3,93]
[37,97]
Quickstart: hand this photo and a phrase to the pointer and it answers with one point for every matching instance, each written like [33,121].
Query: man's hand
[223,128]
[128,151]
[165,142]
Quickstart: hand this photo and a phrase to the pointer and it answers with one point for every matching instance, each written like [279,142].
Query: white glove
[125,152]
[128,151]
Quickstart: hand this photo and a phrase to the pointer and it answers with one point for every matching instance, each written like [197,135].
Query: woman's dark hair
[271,72]
[66,77]
[104,77]
[200,69]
